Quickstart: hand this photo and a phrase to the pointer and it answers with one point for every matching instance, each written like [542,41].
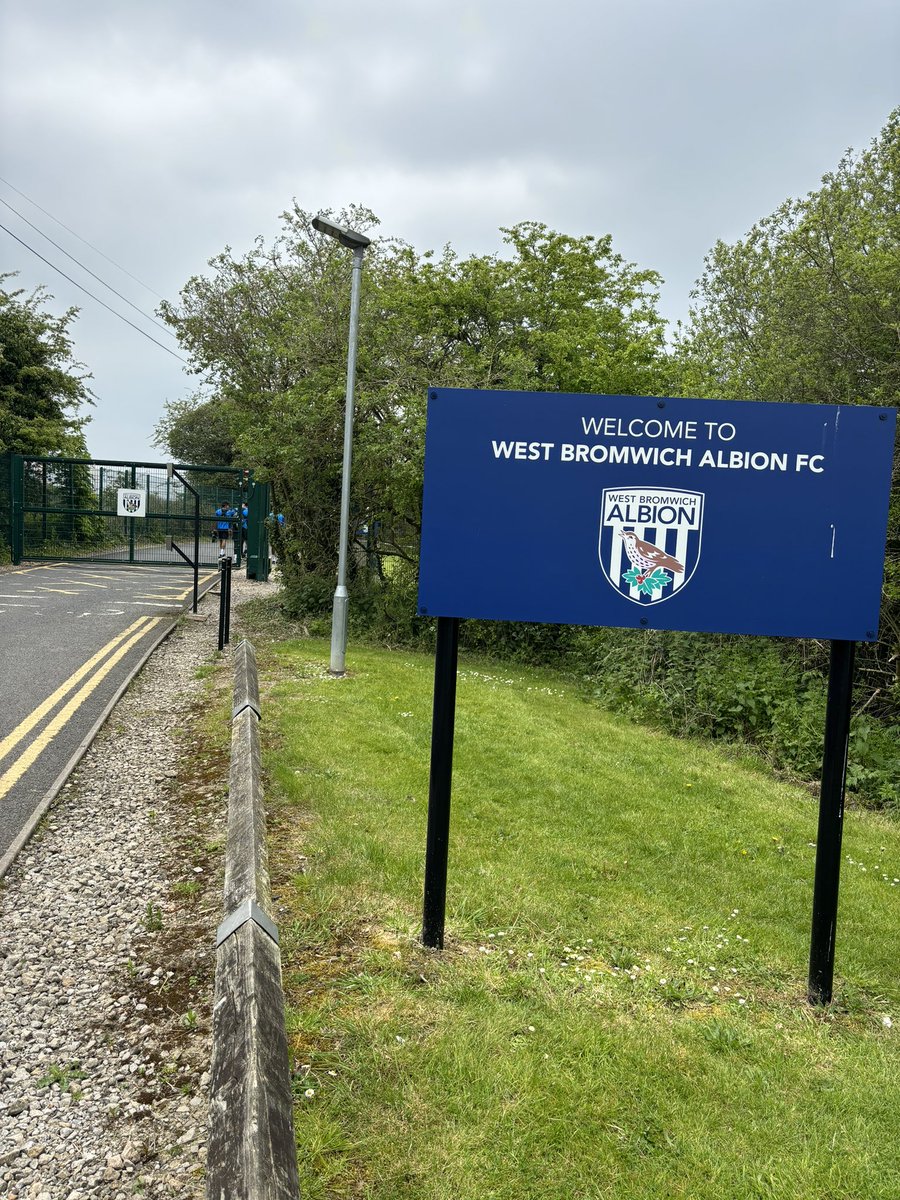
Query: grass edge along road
[620,1010]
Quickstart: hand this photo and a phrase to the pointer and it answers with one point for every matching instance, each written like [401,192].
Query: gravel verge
[107,929]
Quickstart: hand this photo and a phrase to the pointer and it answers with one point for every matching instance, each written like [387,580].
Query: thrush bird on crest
[645,557]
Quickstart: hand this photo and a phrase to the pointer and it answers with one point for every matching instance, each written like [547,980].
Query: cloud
[162,132]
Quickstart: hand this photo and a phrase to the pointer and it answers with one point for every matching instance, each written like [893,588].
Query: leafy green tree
[198,429]
[262,331]
[41,386]
[42,389]
[580,319]
[268,332]
[806,308]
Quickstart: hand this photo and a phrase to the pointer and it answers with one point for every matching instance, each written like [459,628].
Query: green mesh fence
[69,510]
[5,507]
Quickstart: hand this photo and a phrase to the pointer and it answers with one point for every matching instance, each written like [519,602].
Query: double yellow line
[117,648]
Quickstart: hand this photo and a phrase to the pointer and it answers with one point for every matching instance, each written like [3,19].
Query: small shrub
[153,919]
[306,595]
[62,1076]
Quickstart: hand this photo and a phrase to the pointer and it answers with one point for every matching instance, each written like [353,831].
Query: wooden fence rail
[252,1153]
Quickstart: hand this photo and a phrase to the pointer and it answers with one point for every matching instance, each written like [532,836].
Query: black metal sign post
[228,602]
[438,835]
[831,822]
[224,601]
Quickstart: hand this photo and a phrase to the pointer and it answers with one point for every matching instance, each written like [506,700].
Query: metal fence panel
[5,506]
[69,510]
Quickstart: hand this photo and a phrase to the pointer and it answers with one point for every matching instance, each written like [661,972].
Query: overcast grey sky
[160,132]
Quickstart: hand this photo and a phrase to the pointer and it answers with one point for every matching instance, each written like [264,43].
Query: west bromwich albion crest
[650,540]
[131,502]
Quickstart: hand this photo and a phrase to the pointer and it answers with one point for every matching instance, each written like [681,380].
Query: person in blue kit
[275,521]
[234,522]
[223,525]
[244,514]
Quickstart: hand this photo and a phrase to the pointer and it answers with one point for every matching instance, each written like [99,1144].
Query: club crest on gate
[649,543]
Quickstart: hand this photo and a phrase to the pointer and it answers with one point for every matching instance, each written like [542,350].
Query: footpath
[107,949]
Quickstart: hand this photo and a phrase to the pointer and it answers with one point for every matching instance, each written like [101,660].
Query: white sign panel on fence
[131,502]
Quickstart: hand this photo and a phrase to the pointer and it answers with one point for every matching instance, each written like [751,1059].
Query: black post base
[831,822]
[438,836]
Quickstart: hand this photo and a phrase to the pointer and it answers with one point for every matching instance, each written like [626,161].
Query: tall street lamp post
[357,243]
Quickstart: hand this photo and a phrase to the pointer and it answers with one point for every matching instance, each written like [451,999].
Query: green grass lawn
[620,1008]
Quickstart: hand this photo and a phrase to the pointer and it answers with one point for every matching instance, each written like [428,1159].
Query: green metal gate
[66,509]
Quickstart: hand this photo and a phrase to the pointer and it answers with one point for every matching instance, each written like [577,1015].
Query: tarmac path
[72,635]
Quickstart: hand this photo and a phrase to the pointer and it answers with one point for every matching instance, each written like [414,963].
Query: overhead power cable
[53,267]
[87,270]
[96,249]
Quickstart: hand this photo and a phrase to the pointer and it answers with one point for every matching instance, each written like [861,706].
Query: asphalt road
[157,554]
[71,634]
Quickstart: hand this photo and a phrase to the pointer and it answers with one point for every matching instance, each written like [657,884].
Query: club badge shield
[649,542]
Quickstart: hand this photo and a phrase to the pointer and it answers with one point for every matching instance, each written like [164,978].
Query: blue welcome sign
[705,515]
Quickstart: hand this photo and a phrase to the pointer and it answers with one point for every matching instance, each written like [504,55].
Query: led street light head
[347,237]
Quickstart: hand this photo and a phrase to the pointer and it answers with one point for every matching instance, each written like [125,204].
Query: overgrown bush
[384,608]
[306,595]
[766,691]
